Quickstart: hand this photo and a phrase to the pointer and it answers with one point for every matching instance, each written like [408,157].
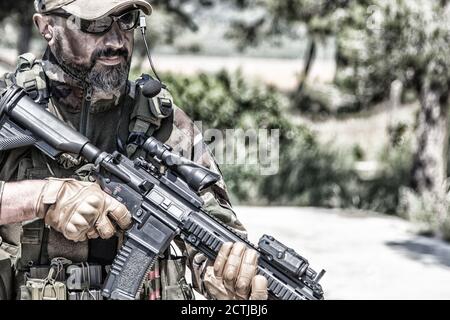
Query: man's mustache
[109,52]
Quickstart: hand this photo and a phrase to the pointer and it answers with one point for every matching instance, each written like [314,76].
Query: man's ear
[44,26]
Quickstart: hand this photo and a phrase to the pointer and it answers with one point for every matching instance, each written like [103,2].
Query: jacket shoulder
[28,74]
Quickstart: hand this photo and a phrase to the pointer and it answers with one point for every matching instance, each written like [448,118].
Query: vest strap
[32,239]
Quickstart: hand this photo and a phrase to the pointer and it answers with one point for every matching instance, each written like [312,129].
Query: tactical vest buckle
[31,89]
[165,106]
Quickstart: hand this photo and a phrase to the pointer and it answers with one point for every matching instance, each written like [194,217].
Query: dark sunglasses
[127,21]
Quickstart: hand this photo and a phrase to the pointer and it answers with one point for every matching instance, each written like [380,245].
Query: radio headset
[152,87]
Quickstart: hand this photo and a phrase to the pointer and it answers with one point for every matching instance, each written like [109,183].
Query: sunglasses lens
[96,26]
[129,20]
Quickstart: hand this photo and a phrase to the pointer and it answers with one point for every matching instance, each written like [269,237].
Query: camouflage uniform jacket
[110,122]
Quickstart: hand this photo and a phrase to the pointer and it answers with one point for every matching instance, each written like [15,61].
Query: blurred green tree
[407,40]
[21,11]
[378,42]
[309,20]
[175,8]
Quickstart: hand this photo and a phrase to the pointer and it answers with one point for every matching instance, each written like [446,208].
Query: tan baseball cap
[91,9]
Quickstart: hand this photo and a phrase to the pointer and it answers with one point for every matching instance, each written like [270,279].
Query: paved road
[367,256]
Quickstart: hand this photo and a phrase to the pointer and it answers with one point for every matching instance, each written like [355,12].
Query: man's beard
[108,79]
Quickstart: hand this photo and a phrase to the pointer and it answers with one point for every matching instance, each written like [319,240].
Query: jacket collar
[68,90]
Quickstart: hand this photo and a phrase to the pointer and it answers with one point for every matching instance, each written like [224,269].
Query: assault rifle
[162,196]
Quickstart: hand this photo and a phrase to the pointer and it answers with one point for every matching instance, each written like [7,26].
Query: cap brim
[91,10]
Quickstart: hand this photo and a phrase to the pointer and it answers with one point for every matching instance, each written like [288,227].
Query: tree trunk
[430,162]
[309,60]
[297,96]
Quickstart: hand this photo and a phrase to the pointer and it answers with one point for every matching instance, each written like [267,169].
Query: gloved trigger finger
[104,227]
[119,213]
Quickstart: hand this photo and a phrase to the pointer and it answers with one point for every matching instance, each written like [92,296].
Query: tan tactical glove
[80,210]
[233,276]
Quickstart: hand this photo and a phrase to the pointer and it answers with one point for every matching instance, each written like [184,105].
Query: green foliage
[404,40]
[358,152]
[377,42]
[383,193]
[7,8]
[397,133]
[326,100]
[310,174]
[317,175]
[227,101]
[320,18]
[422,208]
[19,13]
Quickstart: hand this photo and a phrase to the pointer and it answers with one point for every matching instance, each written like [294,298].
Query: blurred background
[359,91]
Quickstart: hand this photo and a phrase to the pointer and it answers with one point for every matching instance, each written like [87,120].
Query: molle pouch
[84,276]
[173,281]
[24,293]
[46,290]
[30,75]
[8,257]
[151,289]
[85,295]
